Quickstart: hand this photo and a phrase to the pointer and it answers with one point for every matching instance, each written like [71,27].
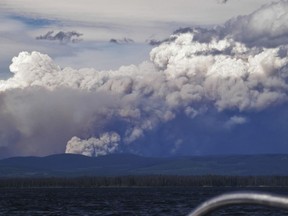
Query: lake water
[122,201]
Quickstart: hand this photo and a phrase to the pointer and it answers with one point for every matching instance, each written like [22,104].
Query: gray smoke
[191,84]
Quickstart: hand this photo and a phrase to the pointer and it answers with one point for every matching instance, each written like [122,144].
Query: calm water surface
[122,201]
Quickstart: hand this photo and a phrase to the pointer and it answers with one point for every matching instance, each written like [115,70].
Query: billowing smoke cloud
[106,143]
[160,107]
[225,72]
[63,37]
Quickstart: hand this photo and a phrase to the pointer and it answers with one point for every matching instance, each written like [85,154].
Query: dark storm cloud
[199,34]
[153,42]
[63,37]
[222,1]
[121,41]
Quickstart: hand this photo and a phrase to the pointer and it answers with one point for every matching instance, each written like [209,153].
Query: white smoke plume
[105,144]
[153,108]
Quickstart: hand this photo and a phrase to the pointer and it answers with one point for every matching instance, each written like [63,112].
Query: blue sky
[218,88]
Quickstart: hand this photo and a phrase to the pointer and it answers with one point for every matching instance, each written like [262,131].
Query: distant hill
[128,164]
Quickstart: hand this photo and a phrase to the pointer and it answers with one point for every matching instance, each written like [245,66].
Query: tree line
[146,181]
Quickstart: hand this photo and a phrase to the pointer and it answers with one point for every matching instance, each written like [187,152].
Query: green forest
[147,181]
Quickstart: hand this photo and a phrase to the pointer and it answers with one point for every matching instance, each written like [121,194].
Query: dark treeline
[147,181]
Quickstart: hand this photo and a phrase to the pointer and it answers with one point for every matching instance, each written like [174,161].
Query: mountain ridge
[72,165]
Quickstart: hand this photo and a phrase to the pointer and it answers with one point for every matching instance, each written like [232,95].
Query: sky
[154,78]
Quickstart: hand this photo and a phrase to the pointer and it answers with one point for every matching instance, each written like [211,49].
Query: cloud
[197,84]
[121,41]
[26,20]
[153,42]
[129,12]
[266,26]
[235,120]
[222,1]
[63,37]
